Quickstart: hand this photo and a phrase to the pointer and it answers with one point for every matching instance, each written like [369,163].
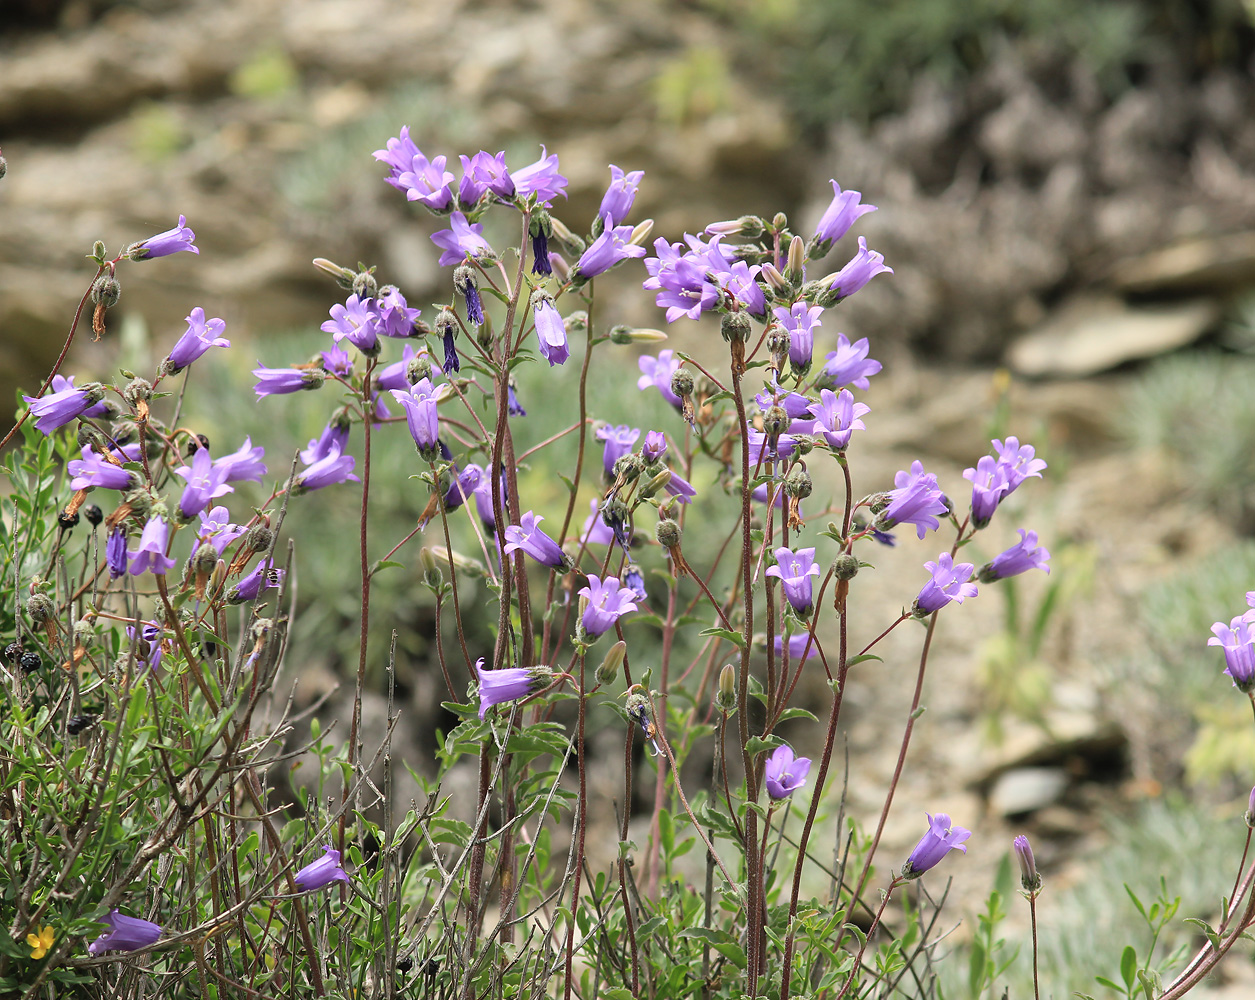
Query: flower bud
[659,482]
[845,567]
[99,253]
[774,278]
[417,369]
[106,290]
[1029,878]
[640,232]
[735,327]
[798,484]
[779,222]
[138,390]
[140,502]
[667,532]
[725,698]
[40,609]
[344,276]
[609,668]
[431,569]
[797,259]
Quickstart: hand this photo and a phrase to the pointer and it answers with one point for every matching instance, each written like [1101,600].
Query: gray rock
[1027,789]
[1211,264]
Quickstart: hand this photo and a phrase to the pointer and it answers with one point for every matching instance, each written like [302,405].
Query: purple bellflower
[205,480]
[164,244]
[527,537]
[427,181]
[657,372]
[508,684]
[837,417]
[278,381]
[393,376]
[1024,555]
[550,330]
[462,240]
[201,334]
[795,571]
[739,282]
[950,582]
[607,603]
[149,649]
[115,553]
[798,645]
[334,467]
[264,576]
[842,212]
[513,406]
[482,173]
[150,556]
[655,447]
[93,469]
[467,285]
[58,408]
[357,320]
[800,323]
[634,580]
[421,415]
[849,364]
[916,501]
[1237,640]
[595,530]
[464,485]
[606,250]
[1029,879]
[616,203]
[60,383]
[244,464]
[784,774]
[862,267]
[396,317]
[337,362]
[334,437]
[680,278]
[618,442]
[399,155]
[941,838]
[540,179]
[124,933]
[994,479]
[321,873]
[217,529]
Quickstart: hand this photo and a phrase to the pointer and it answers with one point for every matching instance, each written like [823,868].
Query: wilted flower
[115,553]
[321,873]
[124,934]
[940,839]
[784,774]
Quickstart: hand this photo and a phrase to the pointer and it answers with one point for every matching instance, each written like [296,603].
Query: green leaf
[757,744]
[797,713]
[724,633]
[1128,964]
[860,658]
[385,564]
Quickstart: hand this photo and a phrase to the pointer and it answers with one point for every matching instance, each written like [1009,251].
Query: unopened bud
[797,259]
[561,269]
[572,244]
[779,222]
[659,482]
[140,501]
[106,290]
[1029,878]
[735,327]
[640,232]
[774,278]
[344,276]
[98,251]
[431,569]
[609,668]
[725,698]
[667,532]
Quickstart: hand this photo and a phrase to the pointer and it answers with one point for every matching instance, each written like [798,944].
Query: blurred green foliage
[156,132]
[692,86]
[268,72]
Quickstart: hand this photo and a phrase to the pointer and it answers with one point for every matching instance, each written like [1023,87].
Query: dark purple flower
[800,322]
[994,479]
[421,415]
[1237,640]
[60,383]
[124,933]
[849,364]
[58,408]
[840,215]
[607,603]
[799,644]
[950,582]
[115,553]
[150,556]
[916,501]
[941,838]
[204,482]
[277,381]
[508,684]
[606,250]
[201,334]
[332,468]
[595,530]
[513,406]
[357,320]
[541,179]
[464,485]
[93,469]
[784,774]
[264,576]
[462,240]
[321,873]
[396,317]
[657,372]
[795,570]
[164,244]
[862,267]
[837,417]
[217,529]
[244,464]
[655,447]
[467,285]
[1024,555]
[617,201]
[149,650]
[528,537]
[541,262]
[618,442]
[550,329]
[634,580]
[482,173]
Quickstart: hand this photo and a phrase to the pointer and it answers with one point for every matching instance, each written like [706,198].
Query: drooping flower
[464,485]
[916,500]
[634,580]
[482,173]
[527,537]
[513,406]
[204,479]
[619,196]
[837,417]
[843,211]
[41,943]
[150,556]
[1024,555]
[277,381]
[862,267]
[950,582]
[332,468]
[1237,640]
[508,684]
[798,645]
[115,553]
[795,571]
[461,240]
[800,322]
[618,442]
[607,603]
[244,464]
[58,408]
[93,469]
[264,576]
[164,244]
[201,334]
[941,838]
[540,179]
[357,320]
[124,934]
[466,284]
[849,364]
[657,372]
[606,250]
[422,415]
[550,330]
[321,873]
[784,774]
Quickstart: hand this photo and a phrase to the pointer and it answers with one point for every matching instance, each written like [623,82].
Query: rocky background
[1035,219]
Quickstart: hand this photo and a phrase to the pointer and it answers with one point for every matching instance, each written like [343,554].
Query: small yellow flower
[41,942]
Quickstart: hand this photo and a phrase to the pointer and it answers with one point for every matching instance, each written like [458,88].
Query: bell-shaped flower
[550,329]
[124,933]
[527,537]
[321,873]
[942,838]
[150,555]
[784,774]
[950,582]
[497,687]
[916,500]
[796,572]
[201,334]
[607,603]
[1024,555]
[164,244]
